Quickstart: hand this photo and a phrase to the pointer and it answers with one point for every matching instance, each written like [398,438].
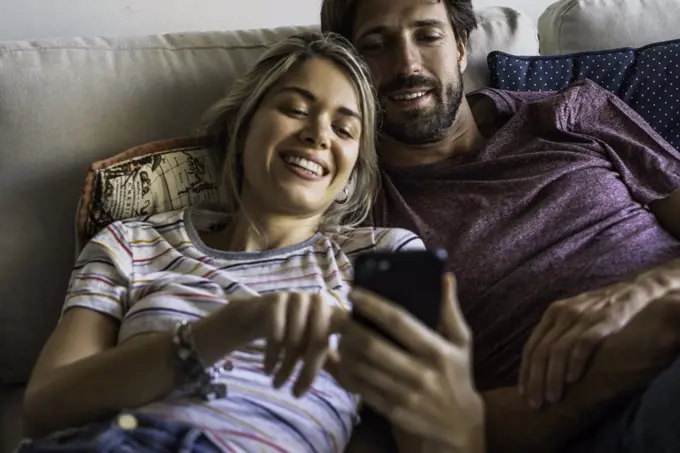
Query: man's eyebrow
[310,96]
[428,23]
[382,29]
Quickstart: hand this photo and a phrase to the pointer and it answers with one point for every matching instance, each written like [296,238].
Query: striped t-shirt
[152,272]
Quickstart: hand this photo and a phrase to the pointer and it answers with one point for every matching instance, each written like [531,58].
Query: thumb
[453,325]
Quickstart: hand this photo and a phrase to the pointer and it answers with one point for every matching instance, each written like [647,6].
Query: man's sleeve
[507,103]
[101,278]
[647,164]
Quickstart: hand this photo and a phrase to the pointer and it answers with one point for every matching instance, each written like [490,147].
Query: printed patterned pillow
[156,177]
[647,79]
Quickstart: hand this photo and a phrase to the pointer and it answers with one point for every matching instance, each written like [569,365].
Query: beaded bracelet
[196,378]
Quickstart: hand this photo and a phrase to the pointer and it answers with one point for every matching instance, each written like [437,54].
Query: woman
[214,326]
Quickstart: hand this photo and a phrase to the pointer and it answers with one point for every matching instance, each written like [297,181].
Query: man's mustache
[405,82]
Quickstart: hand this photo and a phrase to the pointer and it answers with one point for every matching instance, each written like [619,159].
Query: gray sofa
[65,103]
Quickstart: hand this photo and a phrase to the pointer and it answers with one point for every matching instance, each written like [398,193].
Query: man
[561,217]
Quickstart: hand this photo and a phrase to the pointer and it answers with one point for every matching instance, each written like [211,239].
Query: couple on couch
[226,329]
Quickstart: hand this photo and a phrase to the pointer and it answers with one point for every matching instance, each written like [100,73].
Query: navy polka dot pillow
[647,79]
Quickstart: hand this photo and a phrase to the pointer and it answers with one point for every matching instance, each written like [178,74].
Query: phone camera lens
[384,265]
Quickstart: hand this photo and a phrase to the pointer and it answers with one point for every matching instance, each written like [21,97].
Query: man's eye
[372,46]
[297,112]
[431,38]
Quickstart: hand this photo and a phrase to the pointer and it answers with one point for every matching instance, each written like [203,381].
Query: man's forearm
[511,426]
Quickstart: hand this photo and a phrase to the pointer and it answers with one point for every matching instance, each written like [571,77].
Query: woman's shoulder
[142,229]
[366,239]
[155,221]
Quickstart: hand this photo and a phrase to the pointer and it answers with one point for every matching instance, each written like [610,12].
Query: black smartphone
[410,279]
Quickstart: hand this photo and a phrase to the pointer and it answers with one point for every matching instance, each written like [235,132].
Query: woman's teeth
[409,96]
[305,164]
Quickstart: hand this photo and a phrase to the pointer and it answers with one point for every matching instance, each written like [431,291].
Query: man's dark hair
[339,16]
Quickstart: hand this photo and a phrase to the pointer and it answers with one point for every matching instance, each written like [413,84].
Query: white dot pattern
[647,79]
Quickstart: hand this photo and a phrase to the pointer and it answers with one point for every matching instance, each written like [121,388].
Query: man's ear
[463,54]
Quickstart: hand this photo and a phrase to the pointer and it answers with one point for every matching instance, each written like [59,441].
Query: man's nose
[407,58]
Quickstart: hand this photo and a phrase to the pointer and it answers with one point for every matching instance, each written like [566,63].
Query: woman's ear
[348,190]
[352,182]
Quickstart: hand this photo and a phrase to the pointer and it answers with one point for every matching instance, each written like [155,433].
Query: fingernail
[553,397]
[535,404]
[521,390]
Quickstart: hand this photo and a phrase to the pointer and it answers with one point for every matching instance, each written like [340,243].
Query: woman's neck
[250,231]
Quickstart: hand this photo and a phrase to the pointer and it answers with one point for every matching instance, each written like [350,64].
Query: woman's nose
[316,135]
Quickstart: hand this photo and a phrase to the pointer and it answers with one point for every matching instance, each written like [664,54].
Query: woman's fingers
[277,329]
[296,319]
[397,322]
[400,394]
[316,343]
[404,405]
[360,343]
[454,328]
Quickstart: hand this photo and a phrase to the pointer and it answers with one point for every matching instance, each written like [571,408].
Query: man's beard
[423,126]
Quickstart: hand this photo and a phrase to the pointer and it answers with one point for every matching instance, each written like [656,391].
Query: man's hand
[570,331]
[425,389]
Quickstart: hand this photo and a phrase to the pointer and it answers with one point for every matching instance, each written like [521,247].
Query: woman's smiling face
[303,141]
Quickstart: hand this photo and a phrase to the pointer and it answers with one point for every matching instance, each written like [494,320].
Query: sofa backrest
[66,103]
[570,26]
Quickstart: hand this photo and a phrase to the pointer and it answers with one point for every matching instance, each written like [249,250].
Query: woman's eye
[343,132]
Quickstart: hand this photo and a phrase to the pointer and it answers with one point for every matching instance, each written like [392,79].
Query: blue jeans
[651,424]
[128,433]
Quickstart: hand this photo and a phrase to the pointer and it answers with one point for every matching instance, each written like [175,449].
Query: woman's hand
[425,389]
[298,327]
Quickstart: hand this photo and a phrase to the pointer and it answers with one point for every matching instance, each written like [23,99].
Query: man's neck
[463,137]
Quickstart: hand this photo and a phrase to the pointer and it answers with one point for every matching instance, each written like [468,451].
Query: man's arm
[667,212]
[624,365]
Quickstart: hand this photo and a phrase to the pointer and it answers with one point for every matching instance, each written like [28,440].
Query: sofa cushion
[66,103]
[647,79]
[161,176]
[570,26]
[499,29]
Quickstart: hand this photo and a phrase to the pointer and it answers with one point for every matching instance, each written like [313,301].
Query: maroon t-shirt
[553,205]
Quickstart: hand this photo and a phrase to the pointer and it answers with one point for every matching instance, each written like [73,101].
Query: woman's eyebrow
[311,97]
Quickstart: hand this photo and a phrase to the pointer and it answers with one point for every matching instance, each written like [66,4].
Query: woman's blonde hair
[228,121]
